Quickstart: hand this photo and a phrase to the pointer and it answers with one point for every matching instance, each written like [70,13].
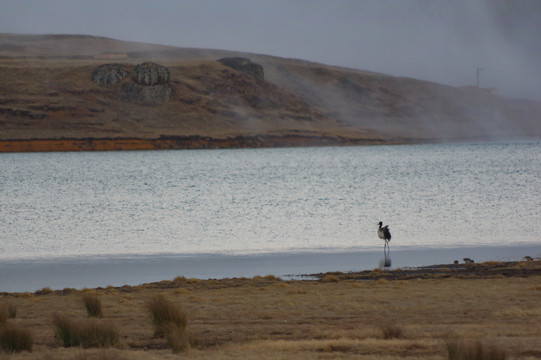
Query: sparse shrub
[93,305]
[87,333]
[473,351]
[15,339]
[163,312]
[392,331]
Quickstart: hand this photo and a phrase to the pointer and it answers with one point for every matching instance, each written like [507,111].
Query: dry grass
[474,351]
[268,318]
[330,278]
[177,337]
[170,321]
[392,331]
[14,338]
[84,333]
[92,304]
[9,310]
[165,315]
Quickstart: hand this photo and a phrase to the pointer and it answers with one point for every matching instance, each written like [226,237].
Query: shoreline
[28,275]
[182,142]
[198,142]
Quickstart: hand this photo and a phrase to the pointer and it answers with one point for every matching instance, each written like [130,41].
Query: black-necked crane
[385,235]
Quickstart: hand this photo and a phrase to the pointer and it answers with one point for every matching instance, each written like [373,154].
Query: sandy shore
[91,272]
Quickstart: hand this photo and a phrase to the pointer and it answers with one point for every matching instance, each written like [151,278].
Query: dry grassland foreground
[336,317]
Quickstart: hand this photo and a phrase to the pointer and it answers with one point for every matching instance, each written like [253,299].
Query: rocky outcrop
[146,93]
[148,83]
[244,65]
[148,74]
[109,74]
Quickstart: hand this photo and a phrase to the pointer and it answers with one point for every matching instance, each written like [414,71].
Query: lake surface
[257,201]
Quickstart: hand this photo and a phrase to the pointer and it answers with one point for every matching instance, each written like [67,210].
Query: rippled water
[266,200]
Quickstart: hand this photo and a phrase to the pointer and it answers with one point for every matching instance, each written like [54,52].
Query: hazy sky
[437,40]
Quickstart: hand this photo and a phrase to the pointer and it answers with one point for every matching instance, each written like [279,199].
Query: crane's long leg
[386,253]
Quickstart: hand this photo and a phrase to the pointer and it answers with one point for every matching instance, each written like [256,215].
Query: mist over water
[268,200]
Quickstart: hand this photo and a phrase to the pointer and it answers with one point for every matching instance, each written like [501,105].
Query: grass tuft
[7,311]
[164,313]
[392,331]
[93,305]
[88,333]
[15,339]
[3,316]
[473,351]
[65,330]
[177,337]
[12,311]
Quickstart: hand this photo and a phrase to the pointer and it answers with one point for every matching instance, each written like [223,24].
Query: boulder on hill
[109,74]
[244,65]
[150,73]
[148,83]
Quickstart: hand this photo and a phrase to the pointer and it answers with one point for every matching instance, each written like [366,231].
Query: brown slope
[58,99]
[408,108]
[46,93]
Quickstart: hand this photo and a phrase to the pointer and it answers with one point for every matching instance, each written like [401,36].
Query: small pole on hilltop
[478,71]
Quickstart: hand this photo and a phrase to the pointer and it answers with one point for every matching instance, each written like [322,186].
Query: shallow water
[253,201]
[90,272]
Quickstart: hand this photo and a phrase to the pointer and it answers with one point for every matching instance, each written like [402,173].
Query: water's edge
[80,272]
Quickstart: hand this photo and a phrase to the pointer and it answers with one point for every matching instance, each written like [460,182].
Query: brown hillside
[46,92]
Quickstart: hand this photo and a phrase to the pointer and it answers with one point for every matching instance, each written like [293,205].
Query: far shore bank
[182,142]
[206,142]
